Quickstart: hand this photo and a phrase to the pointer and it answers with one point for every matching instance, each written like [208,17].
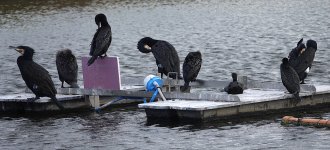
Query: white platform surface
[249,96]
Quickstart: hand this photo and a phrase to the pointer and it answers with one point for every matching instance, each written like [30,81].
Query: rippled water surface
[245,36]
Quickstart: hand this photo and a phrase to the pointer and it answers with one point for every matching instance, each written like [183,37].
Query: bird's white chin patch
[21,51]
[147,47]
[307,70]
[302,51]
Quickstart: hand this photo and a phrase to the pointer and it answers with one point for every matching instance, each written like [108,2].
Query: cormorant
[295,52]
[303,62]
[166,56]
[234,87]
[67,67]
[191,66]
[290,78]
[35,76]
[101,40]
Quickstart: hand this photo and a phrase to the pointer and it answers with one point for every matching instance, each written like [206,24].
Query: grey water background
[249,37]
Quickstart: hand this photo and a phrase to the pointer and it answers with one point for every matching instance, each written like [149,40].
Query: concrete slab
[19,103]
[23,98]
[251,101]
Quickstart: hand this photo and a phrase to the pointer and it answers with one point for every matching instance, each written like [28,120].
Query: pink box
[102,74]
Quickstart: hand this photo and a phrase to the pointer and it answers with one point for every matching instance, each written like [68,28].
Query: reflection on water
[245,36]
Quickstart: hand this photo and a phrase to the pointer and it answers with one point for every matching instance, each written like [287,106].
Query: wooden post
[94,101]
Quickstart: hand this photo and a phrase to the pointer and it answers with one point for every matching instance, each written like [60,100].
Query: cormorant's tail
[142,46]
[74,85]
[296,95]
[91,60]
[59,105]
[185,87]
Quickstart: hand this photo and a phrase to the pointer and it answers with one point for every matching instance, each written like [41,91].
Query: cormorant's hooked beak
[21,51]
[12,47]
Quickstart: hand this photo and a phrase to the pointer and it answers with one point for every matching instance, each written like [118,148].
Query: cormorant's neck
[105,23]
[28,57]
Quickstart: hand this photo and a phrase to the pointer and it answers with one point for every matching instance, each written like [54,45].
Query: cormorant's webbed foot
[302,82]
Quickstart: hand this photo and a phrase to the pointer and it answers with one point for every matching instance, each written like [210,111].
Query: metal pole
[159,91]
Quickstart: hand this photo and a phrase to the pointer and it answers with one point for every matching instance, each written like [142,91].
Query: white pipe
[161,94]
[159,91]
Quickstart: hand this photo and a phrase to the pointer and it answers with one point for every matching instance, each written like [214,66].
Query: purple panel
[104,73]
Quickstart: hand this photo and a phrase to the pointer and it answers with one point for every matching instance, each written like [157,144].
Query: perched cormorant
[166,56]
[295,52]
[191,66]
[102,38]
[234,87]
[35,76]
[67,67]
[303,62]
[290,78]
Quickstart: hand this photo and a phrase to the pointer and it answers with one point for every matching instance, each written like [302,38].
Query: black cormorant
[234,87]
[295,52]
[190,69]
[67,67]
[290,78]
[303,62]
[35,76]
[102,38]
[166,56]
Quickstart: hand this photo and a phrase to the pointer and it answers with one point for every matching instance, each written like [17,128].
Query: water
[245,36]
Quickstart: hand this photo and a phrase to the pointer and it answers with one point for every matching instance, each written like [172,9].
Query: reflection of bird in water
[101,40]
[191,66]
[234,87]
[290,78]
[303,62]
[36,77]
[167,58]
[67,67]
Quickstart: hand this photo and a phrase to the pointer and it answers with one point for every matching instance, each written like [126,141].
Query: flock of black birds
[293,69]
[38,79]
